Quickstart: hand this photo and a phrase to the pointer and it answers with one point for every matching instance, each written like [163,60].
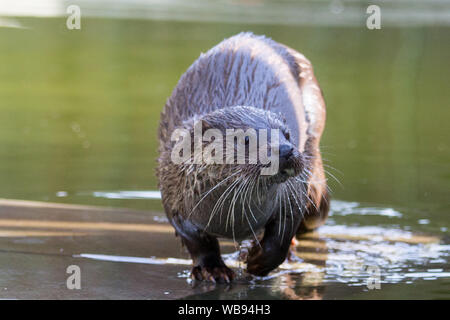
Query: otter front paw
[213,274]
[261,261]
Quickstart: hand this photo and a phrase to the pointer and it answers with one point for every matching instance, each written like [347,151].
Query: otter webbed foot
[212,273]
[263,259]
[205,252]
[273,249]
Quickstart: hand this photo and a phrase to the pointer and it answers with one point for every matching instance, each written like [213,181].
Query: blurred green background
[79,109]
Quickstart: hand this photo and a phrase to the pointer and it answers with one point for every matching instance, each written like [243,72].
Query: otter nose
[286,152]
[285,164]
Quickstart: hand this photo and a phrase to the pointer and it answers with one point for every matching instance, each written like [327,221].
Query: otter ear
[206,126]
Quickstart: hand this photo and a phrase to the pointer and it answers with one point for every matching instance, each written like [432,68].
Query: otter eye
[287,135]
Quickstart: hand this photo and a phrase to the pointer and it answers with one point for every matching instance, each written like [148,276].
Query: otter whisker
[313,179]
[333,168]
[334,177]
[309,199]
[221,199]
[287,195]
[233,202]
[244,213]
[255,183]
[283,194]
[231,210]
[255,180]
[234,198]
[279,213]
[243,195]
[292,213]
[301,207]
[211,190]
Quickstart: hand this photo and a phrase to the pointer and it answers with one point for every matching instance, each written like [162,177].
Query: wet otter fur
[246,81]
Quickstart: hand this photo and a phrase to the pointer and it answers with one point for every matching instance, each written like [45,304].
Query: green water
[79,112]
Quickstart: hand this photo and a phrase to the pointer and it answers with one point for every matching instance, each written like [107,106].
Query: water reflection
[357,256]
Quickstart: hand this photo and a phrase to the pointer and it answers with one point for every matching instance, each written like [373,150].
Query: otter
[245,82]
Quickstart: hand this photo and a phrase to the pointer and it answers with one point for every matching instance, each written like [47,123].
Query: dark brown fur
[278,85]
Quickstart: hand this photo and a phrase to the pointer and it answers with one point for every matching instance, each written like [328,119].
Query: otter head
[244,140]
[234,162]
